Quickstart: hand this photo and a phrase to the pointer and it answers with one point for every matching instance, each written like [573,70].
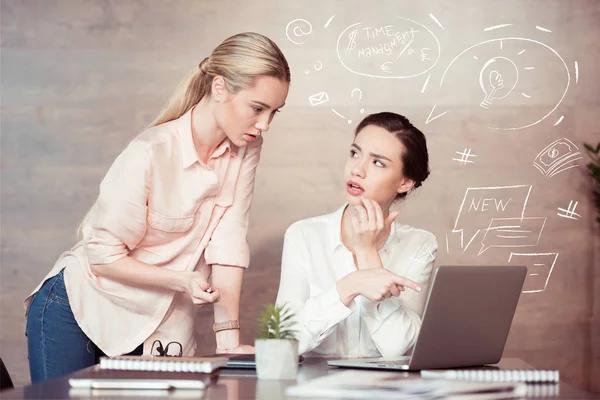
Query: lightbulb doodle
[491,80]
[401,49]
[511,71]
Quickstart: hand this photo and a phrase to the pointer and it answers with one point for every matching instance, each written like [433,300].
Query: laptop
[466,320]
[242,361]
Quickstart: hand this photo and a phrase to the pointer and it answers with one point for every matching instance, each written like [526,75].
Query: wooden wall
[81,77]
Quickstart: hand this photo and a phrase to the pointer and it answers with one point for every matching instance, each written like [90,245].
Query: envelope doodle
[318,98]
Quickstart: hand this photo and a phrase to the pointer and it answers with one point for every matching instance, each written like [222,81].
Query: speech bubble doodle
[388,51]
[512,232]
[539,269]
[481,204]
[500,71]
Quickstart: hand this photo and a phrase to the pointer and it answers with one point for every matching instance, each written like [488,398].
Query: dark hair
[415,159]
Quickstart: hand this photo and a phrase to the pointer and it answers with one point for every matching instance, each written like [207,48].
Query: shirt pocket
[169,224]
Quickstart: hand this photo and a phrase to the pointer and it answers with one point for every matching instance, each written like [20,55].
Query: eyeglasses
[160,351]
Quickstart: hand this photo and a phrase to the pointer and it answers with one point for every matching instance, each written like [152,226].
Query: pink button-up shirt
[159,204]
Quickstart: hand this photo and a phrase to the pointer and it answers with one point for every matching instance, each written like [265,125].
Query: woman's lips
[354,189]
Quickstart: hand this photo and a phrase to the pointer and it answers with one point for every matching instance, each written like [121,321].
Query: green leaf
[588,147]
[275,322]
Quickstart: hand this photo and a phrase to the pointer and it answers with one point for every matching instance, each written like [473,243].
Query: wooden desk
[232,385]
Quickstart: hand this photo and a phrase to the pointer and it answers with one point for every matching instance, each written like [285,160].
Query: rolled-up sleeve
[394,324]
[228,244]
[117,221]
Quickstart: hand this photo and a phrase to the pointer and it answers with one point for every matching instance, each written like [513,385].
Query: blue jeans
[56,344]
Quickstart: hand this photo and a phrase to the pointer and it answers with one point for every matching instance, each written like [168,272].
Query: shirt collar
[188,151]
[335,231]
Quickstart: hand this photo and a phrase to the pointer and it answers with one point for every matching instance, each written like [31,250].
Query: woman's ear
[406,185]
[219,90]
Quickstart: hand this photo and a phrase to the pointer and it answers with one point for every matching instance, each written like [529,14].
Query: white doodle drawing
[329,21]
[539,28]
[425,84]
[341,116]
[491,28]
[480,205]
[436,20]
[491,80]
[297,30]
[318,66]
[464,157]
[539,269]
[386,67]
[318,98]
[371,50]
[512,232]
[576,72]
[569,212]
[558,156]
[559,120]
[407,46]
[355,90]
[429,119]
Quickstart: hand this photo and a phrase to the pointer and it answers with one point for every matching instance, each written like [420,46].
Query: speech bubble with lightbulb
[506,83]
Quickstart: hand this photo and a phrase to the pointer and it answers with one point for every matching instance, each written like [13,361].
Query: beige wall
[81,78]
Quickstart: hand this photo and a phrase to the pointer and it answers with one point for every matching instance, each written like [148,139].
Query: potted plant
[276,347]
[594,167]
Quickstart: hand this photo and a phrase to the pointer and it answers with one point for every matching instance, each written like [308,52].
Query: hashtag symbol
[464,157]
[570,211]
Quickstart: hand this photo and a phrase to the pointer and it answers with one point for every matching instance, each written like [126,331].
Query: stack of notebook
[147,372]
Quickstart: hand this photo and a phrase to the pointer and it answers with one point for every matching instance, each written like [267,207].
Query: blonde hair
[239,59]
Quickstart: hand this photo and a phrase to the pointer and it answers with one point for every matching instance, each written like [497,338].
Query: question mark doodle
[359,97]
[362,110]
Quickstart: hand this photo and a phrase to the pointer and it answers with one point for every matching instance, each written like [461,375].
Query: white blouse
[315,259]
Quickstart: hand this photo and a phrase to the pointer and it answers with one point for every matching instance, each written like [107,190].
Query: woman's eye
[379,163]
[353,153]
[257,109]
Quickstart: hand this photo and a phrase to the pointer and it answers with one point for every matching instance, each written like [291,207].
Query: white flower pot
[276,358]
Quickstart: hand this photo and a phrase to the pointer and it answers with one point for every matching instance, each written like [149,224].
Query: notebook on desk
[466,321]
[171,364]
[99,378]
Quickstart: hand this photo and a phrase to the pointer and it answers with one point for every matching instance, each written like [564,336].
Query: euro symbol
[385,67]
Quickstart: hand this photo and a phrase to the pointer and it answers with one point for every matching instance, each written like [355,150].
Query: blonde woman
[172,212]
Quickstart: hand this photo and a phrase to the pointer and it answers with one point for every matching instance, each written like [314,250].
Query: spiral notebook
[498,375]
[164,364]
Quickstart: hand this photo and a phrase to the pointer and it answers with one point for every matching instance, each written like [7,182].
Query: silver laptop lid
[467,316]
